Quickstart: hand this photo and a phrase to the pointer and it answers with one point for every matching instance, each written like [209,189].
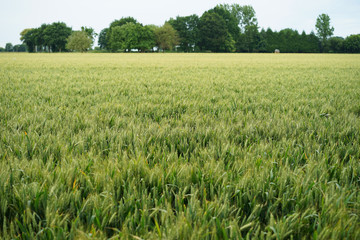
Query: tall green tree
[187,28]
[115,39]
[79,41]
[102,41]
[247,15]
[113,46]
[48,37]
[24,32]
[166,37]
[323,29]
[129,36]
[28,38]
[147,39]
[132,36]
[231,22]
[244,15]
[42,41]
[251,37]
[213,33]
[55,36]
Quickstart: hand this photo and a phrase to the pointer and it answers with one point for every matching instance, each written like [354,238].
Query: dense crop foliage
[179,146]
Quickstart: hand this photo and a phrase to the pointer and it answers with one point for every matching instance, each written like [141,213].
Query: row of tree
[16,48]
[127,34]
[48,37]
[57,37]
[224,28]
[217,30]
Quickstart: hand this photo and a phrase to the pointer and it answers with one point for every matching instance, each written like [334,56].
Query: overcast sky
[16,15]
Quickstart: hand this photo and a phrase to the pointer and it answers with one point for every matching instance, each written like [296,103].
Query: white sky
[16,15]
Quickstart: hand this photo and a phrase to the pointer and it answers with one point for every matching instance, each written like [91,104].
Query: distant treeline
[225,28]
[14,48]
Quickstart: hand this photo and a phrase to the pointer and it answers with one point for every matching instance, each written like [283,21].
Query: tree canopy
[130,36]
[166,37]
[79,41]
[213,34]
[102,41]
[9,47]
[90,32]
[323,29]
[48,37]
[56,35]
[187,28]
[352,44]
[224,28]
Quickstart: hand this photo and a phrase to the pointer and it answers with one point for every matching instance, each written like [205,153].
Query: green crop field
[179,146]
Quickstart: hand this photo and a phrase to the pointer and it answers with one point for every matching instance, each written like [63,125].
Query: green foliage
[241,24]
[288,41]
[24,32]
[224,28]
[116,38]
[213,35]
[229,45]
[114,46]
[225,37]
[48,37]
[323,29]
[29,38]
[9,47]
[336,44]
[179,146]
[128,35]
[187,28]
[147,39]
[251,37]
[102,41]
[19,48]
[352,44]
[79,41]
[56,35]
[244,15]
[247,15]
[231,22]
[166,37]
[123,21]
[90,32]
[132,36]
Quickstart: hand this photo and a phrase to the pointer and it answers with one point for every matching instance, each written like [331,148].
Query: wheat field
[179,146]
